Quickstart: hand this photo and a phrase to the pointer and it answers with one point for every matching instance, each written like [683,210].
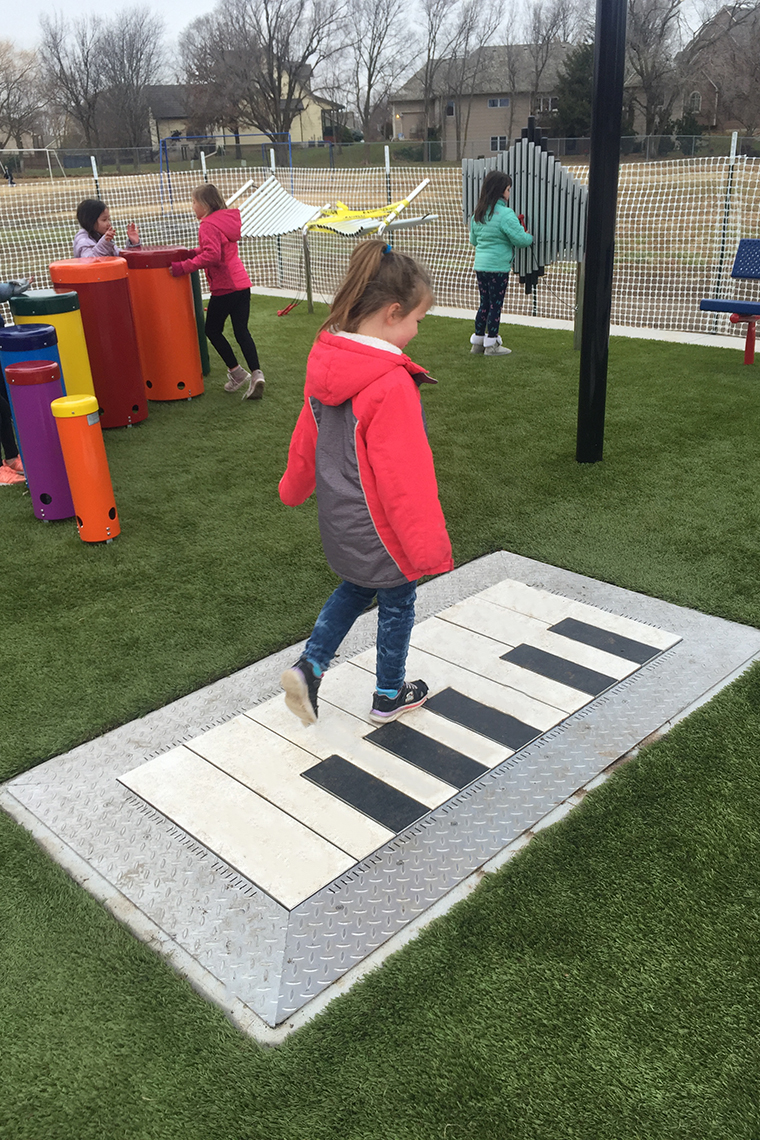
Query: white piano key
[285,859]
[272,766]
[511,628]
[482,655]
[551,608]
[339,732]
[440,673]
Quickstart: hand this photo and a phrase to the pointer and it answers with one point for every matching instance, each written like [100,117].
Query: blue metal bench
[746,268]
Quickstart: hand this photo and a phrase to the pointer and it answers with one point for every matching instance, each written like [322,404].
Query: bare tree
[547,23]
[438,36]
[132,44]
[728,49]
[379,53]
[260,56]
[476,25]
[74,61]
[208,55]
[20,101]
[652,38]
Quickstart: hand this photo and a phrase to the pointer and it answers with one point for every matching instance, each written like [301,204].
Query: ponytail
[376,277]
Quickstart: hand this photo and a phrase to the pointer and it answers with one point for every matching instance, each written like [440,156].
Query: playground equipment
[200,321]
[746,268]
[84,453]
[271,212]
[32,385]
[101,285]
[552,203]
[29,342]
[165,323]
[61,310]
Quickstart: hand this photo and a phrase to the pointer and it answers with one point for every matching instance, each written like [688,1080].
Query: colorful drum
[61,310]
[109,329]
[84,453]
[32,385]
[164,313]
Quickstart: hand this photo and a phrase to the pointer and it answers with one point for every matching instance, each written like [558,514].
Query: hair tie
[387,249]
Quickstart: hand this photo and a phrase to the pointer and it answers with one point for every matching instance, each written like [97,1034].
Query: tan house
[478,106]
[171,113]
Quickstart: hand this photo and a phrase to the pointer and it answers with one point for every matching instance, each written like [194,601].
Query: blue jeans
[395,618]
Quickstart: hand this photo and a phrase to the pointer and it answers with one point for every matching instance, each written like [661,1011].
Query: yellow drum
[62,311]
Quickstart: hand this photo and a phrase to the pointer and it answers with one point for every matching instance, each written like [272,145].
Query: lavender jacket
[86,246]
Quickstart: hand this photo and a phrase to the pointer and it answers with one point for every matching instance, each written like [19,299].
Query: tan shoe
[256,385]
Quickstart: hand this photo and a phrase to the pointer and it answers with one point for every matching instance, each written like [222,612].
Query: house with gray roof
[478,104]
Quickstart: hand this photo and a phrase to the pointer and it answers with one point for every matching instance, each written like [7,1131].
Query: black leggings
[238,306]
[492,288]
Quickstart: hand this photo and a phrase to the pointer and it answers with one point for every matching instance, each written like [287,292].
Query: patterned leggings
[492,288]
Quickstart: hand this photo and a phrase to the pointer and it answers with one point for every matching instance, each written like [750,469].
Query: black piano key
[490,722]
[599,638]
[380,801]
[559,669]
[438,759]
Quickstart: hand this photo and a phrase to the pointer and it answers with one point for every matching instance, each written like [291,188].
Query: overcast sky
[21,20]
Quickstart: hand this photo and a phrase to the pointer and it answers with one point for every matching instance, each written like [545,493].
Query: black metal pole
[606,113]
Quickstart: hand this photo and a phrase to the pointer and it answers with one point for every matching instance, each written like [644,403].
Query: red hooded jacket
[218,235]
[361,442]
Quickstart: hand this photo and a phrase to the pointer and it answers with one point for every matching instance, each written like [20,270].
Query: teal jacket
[495,239]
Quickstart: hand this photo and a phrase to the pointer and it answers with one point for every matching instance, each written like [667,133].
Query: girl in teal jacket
[495,231]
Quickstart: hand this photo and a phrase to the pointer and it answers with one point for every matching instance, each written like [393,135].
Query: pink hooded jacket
[218,235]
[361,443]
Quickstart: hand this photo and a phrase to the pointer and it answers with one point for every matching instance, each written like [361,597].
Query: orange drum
[84,454]
[167,334]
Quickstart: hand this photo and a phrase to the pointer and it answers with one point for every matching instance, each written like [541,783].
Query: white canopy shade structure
[271,211]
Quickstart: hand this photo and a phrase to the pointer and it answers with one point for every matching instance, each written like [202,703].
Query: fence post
[724,224]
[388,174]
[203,165]
[307,269]
[95,174]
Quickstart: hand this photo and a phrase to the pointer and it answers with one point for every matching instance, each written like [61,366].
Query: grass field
[603,984]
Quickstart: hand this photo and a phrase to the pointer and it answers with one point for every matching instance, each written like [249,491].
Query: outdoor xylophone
[549,200]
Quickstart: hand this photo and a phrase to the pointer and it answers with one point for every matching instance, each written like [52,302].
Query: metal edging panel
[273,960]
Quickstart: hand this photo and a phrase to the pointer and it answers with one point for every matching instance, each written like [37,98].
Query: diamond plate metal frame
[264,964]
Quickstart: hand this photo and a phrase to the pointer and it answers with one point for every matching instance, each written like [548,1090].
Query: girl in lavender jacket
[95,238]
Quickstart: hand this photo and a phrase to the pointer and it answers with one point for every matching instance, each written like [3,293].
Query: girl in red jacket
[361,443]
[230,285]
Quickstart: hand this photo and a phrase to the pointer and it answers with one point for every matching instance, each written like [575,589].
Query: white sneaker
[256,384]
[236,381]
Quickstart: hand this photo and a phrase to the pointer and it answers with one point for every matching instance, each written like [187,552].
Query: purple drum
[32,385]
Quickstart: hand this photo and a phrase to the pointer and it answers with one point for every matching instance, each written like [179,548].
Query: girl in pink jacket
[230,286]
[361,443]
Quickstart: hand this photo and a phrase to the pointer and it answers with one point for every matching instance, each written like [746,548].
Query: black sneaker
[410,696]
[301,687]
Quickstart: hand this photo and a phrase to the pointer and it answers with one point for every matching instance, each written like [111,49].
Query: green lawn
[604,984]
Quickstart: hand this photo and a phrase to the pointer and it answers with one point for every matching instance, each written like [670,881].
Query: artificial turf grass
[194,587]
[602,985]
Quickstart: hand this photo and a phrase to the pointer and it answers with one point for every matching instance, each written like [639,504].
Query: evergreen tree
[575,84]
